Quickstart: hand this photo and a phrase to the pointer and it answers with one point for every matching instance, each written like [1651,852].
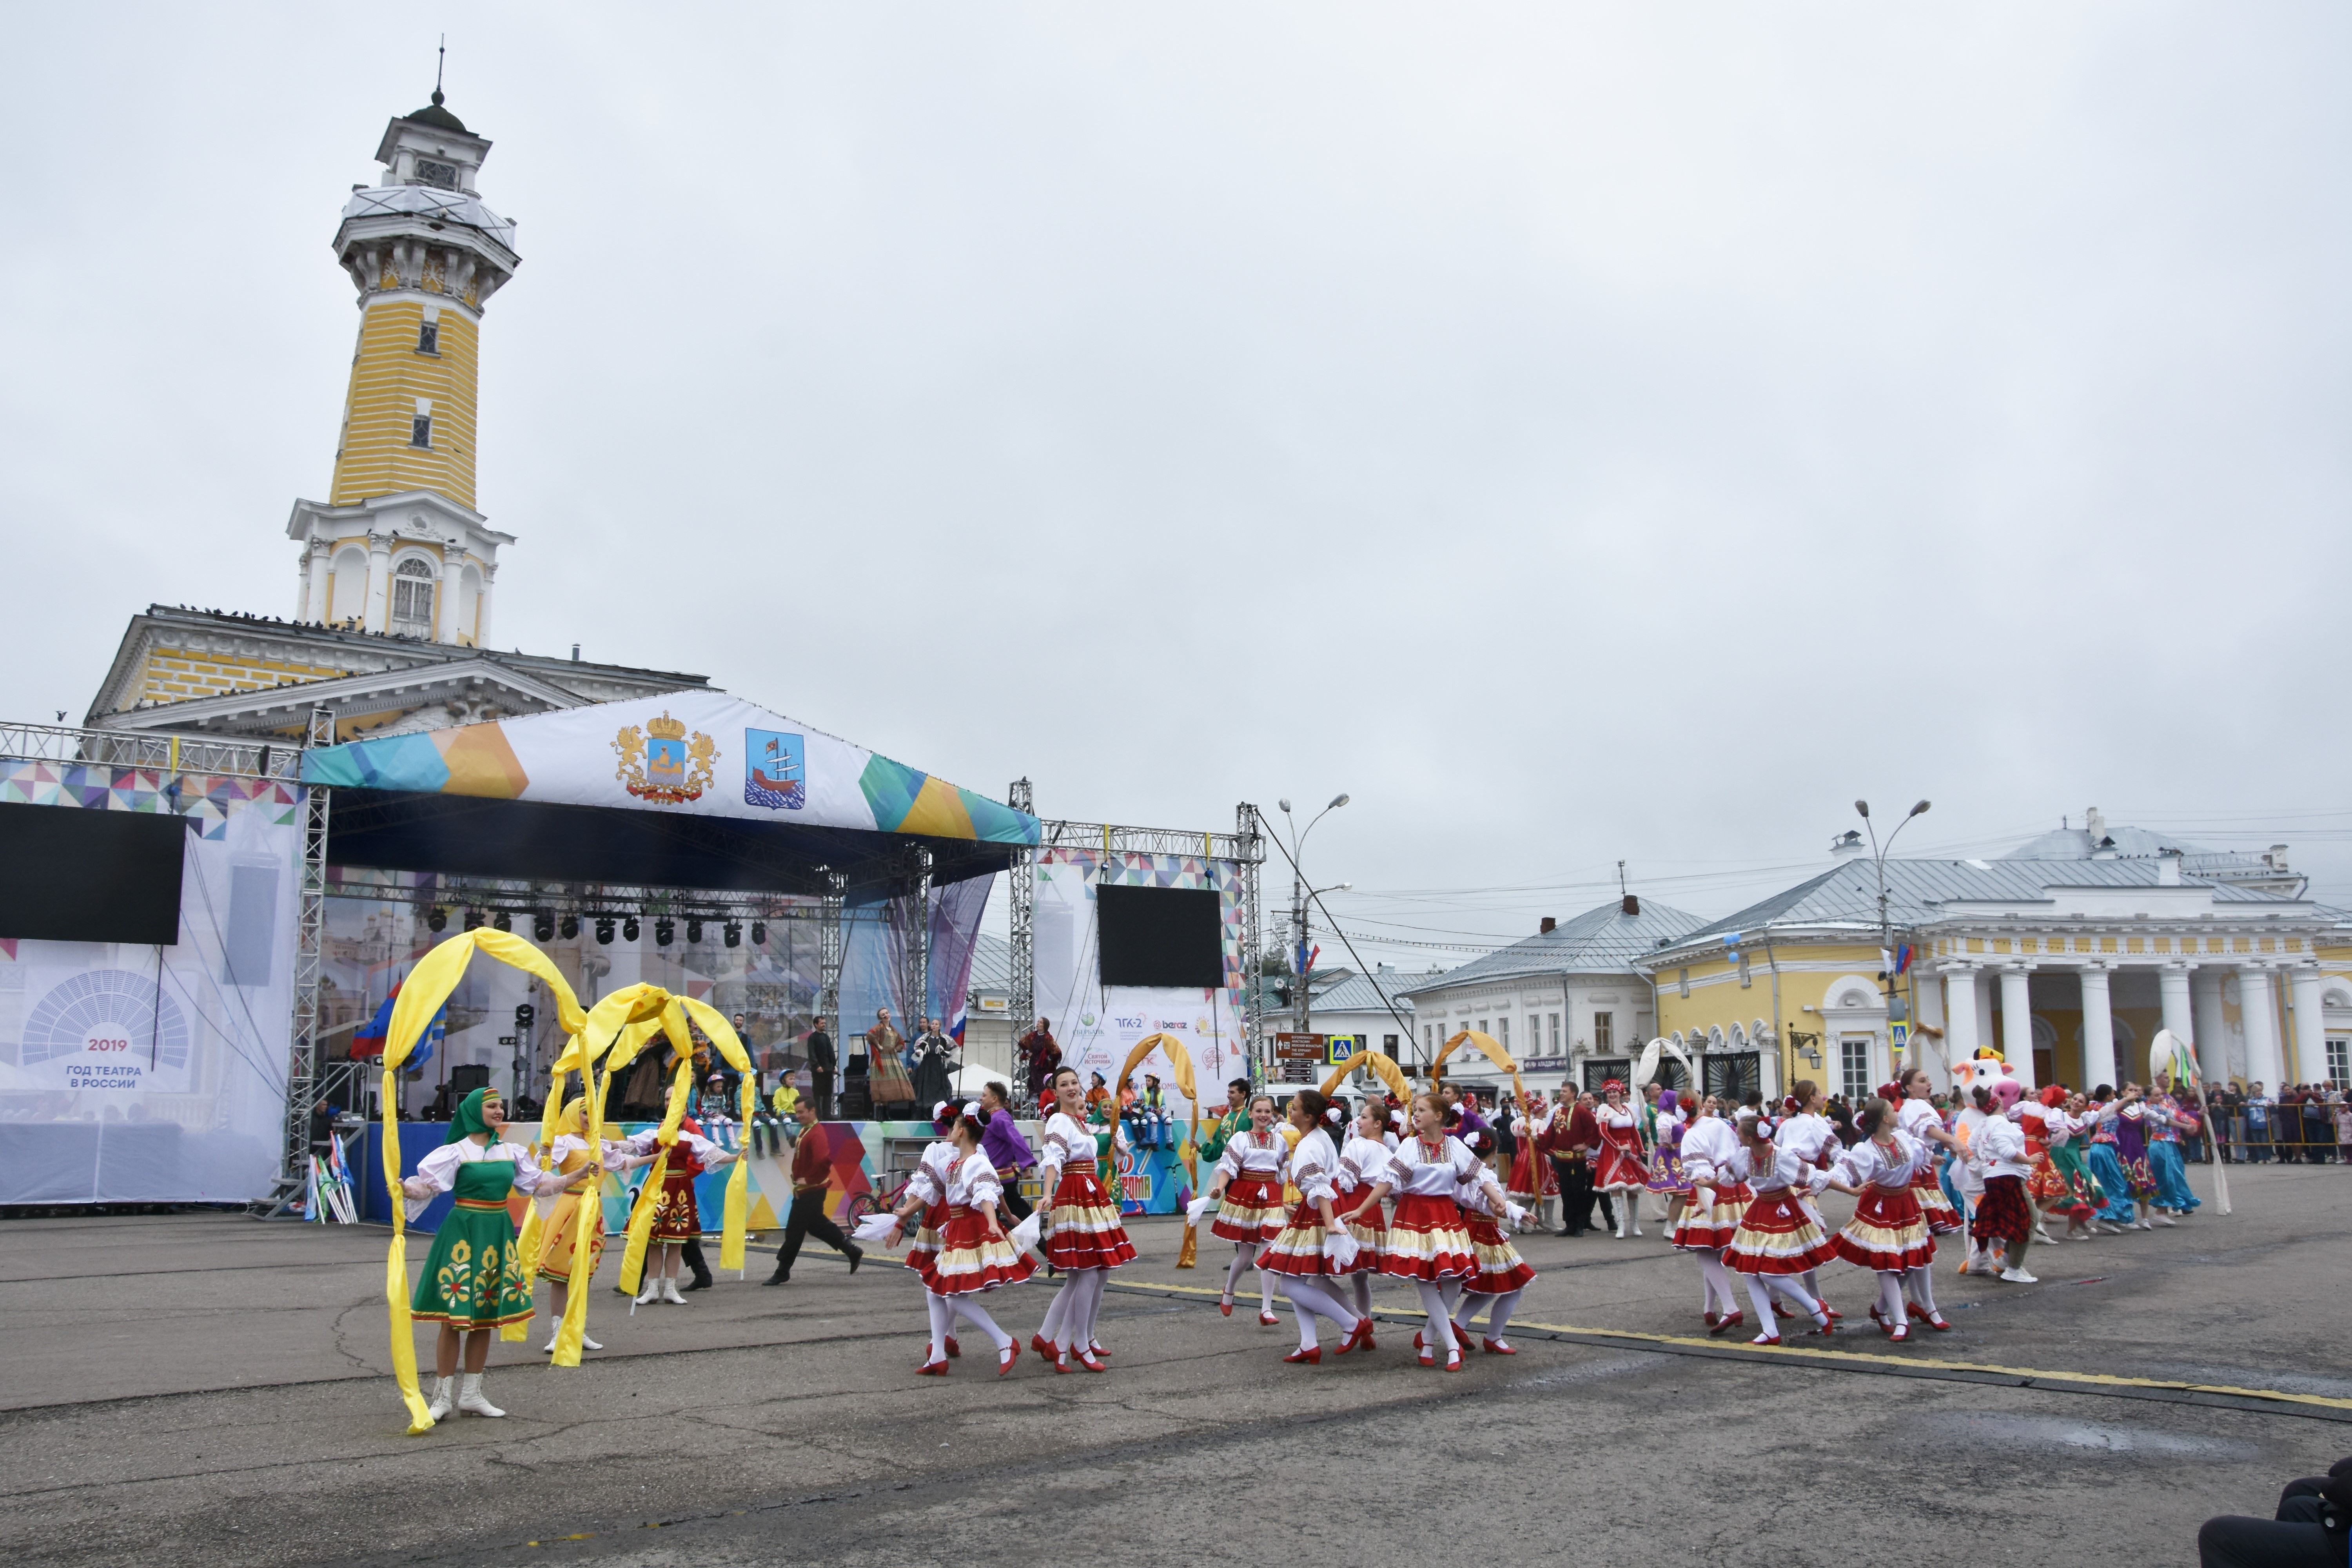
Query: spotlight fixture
[543,927]
[436,920]
[473,919]
[693,931]
[570,928]
[663,930]
[629,927]
[505,920]
[759,933]
[605,929]
[734,934]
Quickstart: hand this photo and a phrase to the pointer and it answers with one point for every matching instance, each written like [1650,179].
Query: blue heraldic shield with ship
[774,774]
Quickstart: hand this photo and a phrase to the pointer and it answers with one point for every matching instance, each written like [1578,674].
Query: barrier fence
[2312,1133]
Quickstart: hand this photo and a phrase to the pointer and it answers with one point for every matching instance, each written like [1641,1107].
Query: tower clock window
[412,598]
[431,171]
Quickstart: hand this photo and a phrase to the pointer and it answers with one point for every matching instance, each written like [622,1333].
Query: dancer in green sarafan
[473,1282]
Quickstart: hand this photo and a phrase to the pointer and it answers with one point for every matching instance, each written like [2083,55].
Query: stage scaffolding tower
[915,973]
[828,956]
[1247,831]
[310,948]
[1021,880]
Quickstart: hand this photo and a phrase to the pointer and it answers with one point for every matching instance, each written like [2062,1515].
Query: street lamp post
[1299,895]
[1885,929]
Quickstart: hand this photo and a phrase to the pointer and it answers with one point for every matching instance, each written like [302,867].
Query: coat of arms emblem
[776,774]
[663,764]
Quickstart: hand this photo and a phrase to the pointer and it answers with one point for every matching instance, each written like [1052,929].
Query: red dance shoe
[1359,1339]
[1042,1345]
[1496,1347]
[1310,1357]
[1007,1356]
[1835,1316]
[1062,1360]
[1900,1333]
[1938,1322]
[1728,1322]
[1100,1354]
[1225,1305]
[1427,1353]
[1766,1338]
[1827,1329]
[1712,1318]
[933,1368]
[1453,1359]
[1782,1309]
[953,1347]
[1087,1360]
[1269,1320]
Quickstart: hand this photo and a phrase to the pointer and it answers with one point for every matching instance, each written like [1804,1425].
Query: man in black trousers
[812,1178]
[822,1059]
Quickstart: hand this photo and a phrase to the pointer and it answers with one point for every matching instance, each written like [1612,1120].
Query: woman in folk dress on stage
[1362,1159]
[472,1283]
[1716,1166]
[1300,1256]
[1888,1234]
[1502,1275]
[1620,1168]
[1083,1235]
[975,1257]
[1779,1242]
[1248,1188]
[1427,1242]
[571,1153]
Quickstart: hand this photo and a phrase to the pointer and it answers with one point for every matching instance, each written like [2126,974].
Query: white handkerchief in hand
[1196,1208]
[873,1226]
[1340,1249]
[1517,1213]
[1024,1235]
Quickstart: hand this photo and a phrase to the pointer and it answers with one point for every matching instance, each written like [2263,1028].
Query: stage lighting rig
[570,928]
[437,920]
[628,927]
[733,932]
[663,930]
[605,929]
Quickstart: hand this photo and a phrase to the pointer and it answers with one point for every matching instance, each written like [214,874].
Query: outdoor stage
[201,1387]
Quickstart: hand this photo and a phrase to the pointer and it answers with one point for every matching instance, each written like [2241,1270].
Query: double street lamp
[1878,851]
[1299,896]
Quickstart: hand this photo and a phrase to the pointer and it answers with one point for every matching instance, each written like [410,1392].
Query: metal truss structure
[310,948]
[1020,879]
[915,953]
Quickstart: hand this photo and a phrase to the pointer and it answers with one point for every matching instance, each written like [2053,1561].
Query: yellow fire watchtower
[398,547]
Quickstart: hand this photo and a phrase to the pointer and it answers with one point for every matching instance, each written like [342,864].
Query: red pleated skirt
[1086,1230]
[1500,1267]
[970,1262]
[1427,1240]
[1888,1233]
[1777,1235]
[1250,1209]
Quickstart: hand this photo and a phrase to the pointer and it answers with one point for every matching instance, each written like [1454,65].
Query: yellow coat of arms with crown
[661,763]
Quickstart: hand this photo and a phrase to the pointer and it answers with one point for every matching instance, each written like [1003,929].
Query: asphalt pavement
[206,1387]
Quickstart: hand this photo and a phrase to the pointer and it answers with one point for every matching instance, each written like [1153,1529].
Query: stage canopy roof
[692,789]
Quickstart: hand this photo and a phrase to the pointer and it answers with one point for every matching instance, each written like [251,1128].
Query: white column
[2263,1061]
[2214,1056]
[2017,1023]
[314,587]
[2180,1017]
[444,605]
[379,606]
[1929,996]
[2310,1025]
[482,604]
[2099,1030]
[1960,1029]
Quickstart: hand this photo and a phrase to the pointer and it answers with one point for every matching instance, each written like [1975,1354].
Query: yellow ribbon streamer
[428,986]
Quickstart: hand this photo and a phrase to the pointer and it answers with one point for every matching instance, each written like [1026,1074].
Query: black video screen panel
[1161,936]
[77,874]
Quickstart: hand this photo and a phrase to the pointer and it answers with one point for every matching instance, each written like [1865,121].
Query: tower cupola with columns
[398,546]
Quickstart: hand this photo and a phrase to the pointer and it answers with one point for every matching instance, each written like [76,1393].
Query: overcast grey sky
[1579,432]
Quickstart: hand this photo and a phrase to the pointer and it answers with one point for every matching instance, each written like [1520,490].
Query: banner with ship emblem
[678,754]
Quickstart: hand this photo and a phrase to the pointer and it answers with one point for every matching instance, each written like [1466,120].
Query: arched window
[412,598]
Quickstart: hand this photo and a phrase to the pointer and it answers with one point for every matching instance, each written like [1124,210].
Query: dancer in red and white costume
[1302,1255]
[1247,1189]
[1427,1242]
[1915,1115]
[1780,1241]
[1363,1159]
[1084,1238]
[1502,1274]
[926,1194]
[1888,1234]
[1535,1181]
[1620,1167]
[1813,1139]
[1716,1166]
[974,1257]
[676,1221]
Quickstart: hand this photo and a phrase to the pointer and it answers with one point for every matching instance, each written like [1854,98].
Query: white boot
[443,1398]
[470,1400]
[669,1293]
[652,1292]
[586,1344]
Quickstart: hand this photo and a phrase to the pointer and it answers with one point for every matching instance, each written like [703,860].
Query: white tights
[1761,1290]
[1720,1287]
[1920,1283]
[945,1310]
[1070,1321]
[1440,1331]
[1246,1253]
[1498,1313]
[1363,1281]
[1310,1298]
[1890,1299]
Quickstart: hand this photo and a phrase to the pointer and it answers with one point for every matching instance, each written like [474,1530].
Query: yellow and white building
[2068,955]
[397,568]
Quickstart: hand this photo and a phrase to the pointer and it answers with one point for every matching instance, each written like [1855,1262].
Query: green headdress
[468,1120]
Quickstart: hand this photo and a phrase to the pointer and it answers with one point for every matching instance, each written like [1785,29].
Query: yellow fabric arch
[428,985]
[1180,1067]
[1492,1050]
[1390,1075]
